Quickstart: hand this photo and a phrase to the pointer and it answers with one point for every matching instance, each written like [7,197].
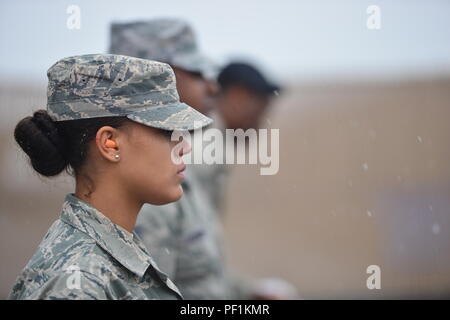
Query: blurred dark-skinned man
[245,96]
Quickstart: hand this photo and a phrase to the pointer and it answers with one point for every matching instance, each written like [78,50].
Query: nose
[185,147]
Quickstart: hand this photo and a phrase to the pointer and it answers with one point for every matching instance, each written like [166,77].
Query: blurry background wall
[364,137]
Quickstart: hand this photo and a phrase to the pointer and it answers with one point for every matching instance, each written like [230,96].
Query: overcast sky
[288,38]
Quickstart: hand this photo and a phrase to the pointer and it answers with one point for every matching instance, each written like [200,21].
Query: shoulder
[62,246]
[71,284]
[66,254]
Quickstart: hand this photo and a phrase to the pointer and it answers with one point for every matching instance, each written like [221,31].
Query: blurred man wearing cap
[245,96]
[243,101]
[184,237]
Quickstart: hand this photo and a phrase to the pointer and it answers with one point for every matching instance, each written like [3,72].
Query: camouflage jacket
[86,256]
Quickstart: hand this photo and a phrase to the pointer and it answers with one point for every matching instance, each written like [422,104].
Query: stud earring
[117,156]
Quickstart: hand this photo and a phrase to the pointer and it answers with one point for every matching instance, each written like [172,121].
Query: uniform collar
[124,246]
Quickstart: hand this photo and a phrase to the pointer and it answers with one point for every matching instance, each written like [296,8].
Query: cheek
[164,178]
[155,163]
[252,110]
[152,174]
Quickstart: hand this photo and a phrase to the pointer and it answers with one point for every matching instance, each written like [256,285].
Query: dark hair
[57,145]
[247,76]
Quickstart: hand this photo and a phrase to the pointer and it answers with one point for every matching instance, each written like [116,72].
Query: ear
[108,152]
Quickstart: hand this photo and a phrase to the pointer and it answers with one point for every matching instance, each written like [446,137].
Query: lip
[180,171]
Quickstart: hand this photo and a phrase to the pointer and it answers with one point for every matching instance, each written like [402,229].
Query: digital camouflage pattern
[99,85]
[109,262]
[168,40]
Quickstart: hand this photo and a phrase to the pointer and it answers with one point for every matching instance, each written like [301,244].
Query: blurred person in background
[245,96]
[108,121]
[243,100]
[185,237]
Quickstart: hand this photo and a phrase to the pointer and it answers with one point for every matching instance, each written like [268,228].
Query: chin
[178,193]
[172,196]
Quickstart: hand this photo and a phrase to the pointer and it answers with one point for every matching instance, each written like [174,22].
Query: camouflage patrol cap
[105,85]
[167,40]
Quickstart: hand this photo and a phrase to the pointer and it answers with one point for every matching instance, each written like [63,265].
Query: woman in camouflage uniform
[108,122]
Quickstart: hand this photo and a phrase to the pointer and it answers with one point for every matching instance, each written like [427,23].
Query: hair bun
[38,136]
[46,124]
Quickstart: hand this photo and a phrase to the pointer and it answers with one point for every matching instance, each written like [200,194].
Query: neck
[112,201]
